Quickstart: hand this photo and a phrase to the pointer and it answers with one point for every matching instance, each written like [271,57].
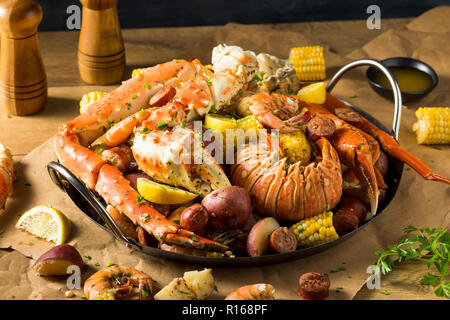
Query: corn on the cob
[315,230]
[137,72]
[249,122]
[308,63]
[432,126]
[89,98]
[296,147]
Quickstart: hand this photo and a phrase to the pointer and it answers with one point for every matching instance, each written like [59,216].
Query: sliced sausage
[348,115]
[120,156]
[123,223]
[320,127]
[132,177]
[349,216]
[164,209]
[194,218]
[313,286]
[283,240]
[163,96]
[145,238]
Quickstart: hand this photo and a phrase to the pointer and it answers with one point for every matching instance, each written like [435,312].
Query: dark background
[174,13]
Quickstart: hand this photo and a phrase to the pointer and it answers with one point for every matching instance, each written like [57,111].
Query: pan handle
[57,170]
[392,81]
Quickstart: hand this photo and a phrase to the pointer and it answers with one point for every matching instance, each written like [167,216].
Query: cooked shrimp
[260,291]
[118,282]
[6,174]
[275,110]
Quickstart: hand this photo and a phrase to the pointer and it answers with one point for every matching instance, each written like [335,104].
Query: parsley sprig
[430,245]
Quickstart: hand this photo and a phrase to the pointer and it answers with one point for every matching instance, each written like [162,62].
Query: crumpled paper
[417,202]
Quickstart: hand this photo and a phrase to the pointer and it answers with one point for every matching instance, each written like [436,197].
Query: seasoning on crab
[315,230]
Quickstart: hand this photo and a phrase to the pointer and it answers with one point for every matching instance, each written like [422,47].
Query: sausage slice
[313,286]
[320,127]
[163,96]
[283,240]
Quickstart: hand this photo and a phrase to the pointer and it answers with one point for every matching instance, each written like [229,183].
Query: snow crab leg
[115,189]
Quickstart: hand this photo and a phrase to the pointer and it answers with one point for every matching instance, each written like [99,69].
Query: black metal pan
[94,208]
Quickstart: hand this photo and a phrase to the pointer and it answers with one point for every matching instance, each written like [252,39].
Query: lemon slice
[161,193]
[219,122]
[46,222]
[314,93]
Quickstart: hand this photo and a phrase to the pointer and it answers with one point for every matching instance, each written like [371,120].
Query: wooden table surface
[59,51]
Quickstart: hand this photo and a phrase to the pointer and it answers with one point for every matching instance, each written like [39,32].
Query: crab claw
[365,172]
[188,239]
[355,153]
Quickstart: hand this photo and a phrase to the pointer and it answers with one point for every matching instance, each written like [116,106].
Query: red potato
[283,240]
[382,163]
[56,261]
[194,218]
[258,238]
[228,207]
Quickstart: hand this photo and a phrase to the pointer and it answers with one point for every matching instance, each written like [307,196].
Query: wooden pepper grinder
[101,54]
[23,83]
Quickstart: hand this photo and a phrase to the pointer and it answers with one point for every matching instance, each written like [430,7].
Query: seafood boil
[154,151]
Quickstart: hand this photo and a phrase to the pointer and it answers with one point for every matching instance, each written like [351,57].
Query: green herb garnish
[88,257]
[144,217]
[182,124]
[134,96]
[194,238]
[110,263]
[144,294]
[140,200]
[353,97]
[146,86]
[258,77]
[338,269]
[161,124]
[430,245]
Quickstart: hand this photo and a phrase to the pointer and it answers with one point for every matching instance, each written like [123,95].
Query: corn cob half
[432,126]
[315,230]
[308,63]
[89,98]
[249,122]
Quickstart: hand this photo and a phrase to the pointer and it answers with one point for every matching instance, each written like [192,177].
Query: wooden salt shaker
[101,53]
[23,83]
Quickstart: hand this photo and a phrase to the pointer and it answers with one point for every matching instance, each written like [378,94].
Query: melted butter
[409,79]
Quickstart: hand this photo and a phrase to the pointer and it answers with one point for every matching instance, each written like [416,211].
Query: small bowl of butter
[415,78]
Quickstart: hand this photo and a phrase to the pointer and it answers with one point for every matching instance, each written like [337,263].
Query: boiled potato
[195,285]
[200,282]
[176,290]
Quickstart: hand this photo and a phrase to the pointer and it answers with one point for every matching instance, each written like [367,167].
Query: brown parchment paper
[417,202]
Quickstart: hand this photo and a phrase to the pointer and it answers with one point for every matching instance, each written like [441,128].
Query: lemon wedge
[47,223]
[161,193]
[313,93]
[219,122]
